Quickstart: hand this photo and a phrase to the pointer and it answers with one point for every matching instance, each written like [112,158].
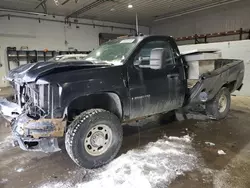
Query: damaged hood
[30,72]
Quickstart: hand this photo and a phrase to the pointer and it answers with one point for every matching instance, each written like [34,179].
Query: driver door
[153,91]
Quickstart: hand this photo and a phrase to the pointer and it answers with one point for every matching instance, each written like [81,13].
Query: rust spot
[59,125]
[46,127]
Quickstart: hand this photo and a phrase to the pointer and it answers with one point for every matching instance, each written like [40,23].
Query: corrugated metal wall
[224,18]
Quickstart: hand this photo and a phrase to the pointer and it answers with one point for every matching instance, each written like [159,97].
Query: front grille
[38,100]
[18,89]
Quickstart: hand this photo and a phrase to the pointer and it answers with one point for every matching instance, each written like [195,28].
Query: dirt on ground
[192,153]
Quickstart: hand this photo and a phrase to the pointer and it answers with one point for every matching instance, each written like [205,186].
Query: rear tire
[94,138]
[219,106]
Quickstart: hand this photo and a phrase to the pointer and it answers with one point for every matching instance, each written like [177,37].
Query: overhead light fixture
[130,6]
[57,2]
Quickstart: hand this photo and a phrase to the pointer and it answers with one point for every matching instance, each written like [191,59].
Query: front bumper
[47,145]
[37,135]
[30,134]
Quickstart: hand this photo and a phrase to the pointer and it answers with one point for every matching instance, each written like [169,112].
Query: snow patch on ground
[57,185]
[155,165]
[209,143]
[221,152]
[6,143]
[3,181]
[19,170]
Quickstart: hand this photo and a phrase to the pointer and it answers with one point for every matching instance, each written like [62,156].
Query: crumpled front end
[9,110]
[37,135]
[34,125]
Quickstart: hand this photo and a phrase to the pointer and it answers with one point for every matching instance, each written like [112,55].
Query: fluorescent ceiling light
[130,6]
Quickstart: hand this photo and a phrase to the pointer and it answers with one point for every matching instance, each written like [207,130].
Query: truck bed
[227,72]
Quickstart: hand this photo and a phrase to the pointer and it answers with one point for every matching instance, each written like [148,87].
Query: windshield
[113,52]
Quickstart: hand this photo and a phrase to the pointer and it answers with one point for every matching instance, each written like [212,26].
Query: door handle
[172,76]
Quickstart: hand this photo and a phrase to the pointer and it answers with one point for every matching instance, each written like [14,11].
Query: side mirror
[157,58]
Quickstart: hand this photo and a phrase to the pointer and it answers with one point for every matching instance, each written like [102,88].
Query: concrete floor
[171,155]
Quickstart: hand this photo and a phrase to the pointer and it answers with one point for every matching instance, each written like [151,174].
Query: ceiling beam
[193,10]
[40,4]
[66,1]
[86,8]
[24,12]
[43,5]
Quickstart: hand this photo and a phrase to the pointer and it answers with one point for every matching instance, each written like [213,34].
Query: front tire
[94,138]
[219,106]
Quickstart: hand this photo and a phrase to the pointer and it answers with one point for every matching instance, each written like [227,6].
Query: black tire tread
[73,128]
[212,106]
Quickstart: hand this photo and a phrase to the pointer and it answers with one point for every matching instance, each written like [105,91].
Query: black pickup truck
[122,80]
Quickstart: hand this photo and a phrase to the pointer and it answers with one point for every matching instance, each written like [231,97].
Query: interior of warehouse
[124,93]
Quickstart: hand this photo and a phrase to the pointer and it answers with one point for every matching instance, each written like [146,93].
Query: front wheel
[219,106]
[94,138]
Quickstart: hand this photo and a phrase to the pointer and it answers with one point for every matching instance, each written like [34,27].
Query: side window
[143,57]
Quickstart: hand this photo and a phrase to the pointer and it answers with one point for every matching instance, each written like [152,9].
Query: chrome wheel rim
[222,103]
[98,140]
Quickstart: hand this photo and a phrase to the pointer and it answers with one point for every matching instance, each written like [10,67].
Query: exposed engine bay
[32,114]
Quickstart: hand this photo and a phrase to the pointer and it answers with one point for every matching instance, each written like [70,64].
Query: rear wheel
[94,138]
[219,106]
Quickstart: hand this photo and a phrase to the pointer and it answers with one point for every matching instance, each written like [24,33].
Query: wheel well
[230,86]
[107,101]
